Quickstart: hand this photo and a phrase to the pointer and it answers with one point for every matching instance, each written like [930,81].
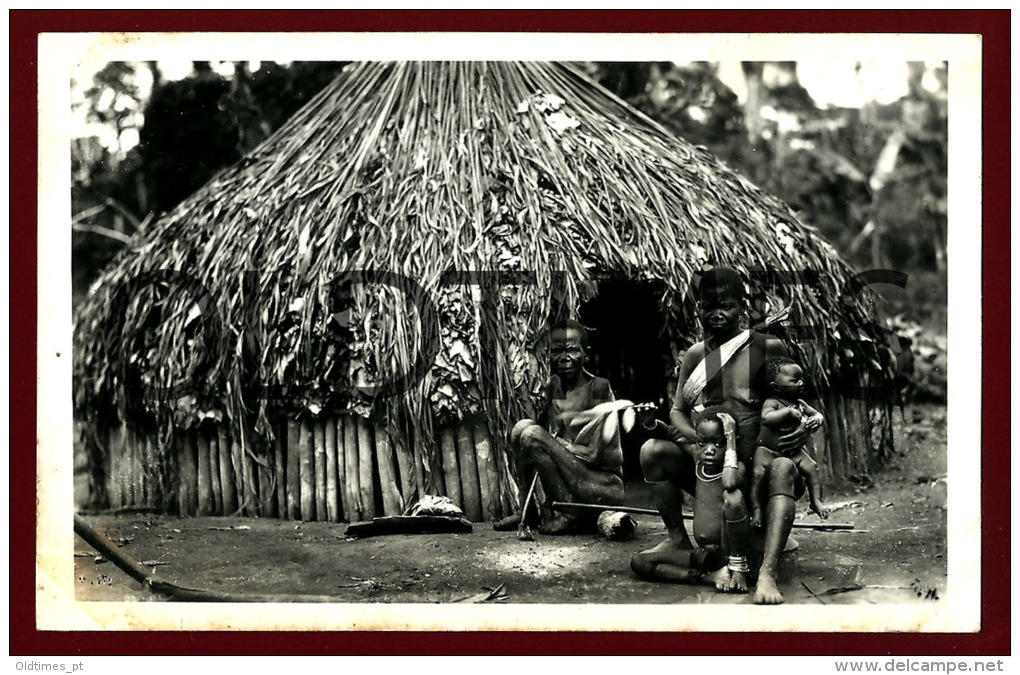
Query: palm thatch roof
[422,168]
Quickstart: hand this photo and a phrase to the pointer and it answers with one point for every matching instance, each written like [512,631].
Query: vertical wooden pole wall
[328,468]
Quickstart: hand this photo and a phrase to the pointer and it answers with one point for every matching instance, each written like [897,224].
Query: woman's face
[720,314]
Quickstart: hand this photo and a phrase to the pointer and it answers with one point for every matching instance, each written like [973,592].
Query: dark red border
[993,638]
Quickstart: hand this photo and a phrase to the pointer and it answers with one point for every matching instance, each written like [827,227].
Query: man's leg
[779,512]
[565,478]
[523,473]
[670,472]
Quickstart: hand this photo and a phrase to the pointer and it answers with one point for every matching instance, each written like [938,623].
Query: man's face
[711,443]
[720,312]
[789,381]
[567,352]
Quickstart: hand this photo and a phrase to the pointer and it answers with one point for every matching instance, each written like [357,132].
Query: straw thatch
[424,168]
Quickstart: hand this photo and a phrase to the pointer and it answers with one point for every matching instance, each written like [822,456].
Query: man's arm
[601,392]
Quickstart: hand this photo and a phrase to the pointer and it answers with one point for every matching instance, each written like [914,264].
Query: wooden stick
[488,475]
[306,467]
[319,430]
[366,481]
[469,484]
[524,532]
[293,470]
[451,474]
[226,472]
[352,491]
[392,502]
[333,514]
[409,525]
[652,512]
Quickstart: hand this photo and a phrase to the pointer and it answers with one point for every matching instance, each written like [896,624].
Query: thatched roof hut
[419,169]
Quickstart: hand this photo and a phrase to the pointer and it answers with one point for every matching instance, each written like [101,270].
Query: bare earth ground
[898,549]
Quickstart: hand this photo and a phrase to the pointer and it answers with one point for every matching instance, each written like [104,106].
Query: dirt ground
[896,552]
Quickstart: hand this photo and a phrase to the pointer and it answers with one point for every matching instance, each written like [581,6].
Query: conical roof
[421,169]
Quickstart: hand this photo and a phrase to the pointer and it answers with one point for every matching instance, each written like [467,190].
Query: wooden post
[130,466]
[488,472]
[406,469]
[185,472]
[214,471]
[227,483]
[279,483]
[146,491]
[293,470]
[333,513]
[319,430]
[392,502]
[451,474]
[418,457]
[240,483]
[205,498]
[306,467]
[264,481]
[352,491]
[366,482]
[251,470]
[342,492]
[834,435]
[468,473]
[115,448]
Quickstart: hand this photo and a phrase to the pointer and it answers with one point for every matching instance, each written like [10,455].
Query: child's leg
[736,543]
[762,458]
[808,468]
[674,566]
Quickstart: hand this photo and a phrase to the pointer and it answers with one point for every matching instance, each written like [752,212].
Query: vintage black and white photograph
[454,332]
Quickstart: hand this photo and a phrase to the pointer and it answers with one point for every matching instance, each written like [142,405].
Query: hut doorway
[629,346]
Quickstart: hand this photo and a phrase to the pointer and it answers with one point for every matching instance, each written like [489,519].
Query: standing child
[720,517]
[784,411]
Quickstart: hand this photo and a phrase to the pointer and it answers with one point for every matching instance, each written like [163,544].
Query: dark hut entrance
[630,347]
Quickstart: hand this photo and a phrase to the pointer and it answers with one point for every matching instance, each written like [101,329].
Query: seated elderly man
[574,448]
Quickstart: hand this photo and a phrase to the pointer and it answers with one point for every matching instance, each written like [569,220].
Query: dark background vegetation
[871,179]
